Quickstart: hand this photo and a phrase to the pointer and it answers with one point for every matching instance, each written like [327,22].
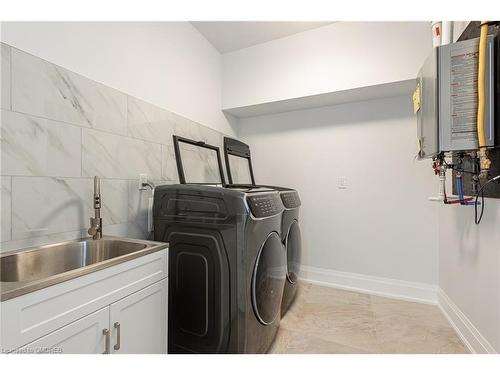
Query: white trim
[469,334]
[392,288]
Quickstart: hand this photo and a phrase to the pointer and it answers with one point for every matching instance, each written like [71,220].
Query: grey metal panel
[457,74]
[427,116]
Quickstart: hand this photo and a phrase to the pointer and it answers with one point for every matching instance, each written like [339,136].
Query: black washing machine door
[268,280]
[293,246]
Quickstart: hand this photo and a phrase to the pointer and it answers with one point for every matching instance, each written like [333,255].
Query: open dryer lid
[190,154]
[238,162]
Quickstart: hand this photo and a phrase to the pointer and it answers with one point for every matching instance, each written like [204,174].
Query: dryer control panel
[290,199]
[264,205]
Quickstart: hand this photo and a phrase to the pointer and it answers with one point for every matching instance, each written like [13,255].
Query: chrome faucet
[95,229]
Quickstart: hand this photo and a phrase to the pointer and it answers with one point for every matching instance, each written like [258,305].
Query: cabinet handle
[118,331]
[105,332]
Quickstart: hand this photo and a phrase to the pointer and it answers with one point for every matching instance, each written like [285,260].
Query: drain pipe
[441,197]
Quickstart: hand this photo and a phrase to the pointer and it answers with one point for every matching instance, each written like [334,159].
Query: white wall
[341,56]
[469,267]
[382,225]
[169,64]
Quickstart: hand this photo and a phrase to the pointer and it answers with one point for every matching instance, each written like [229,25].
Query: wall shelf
[358,94]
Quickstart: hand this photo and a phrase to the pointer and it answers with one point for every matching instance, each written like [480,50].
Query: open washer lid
[238,162]
[239,167]
[189,154]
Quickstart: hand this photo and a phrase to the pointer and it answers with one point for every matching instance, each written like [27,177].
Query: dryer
[227,267]
[239,169]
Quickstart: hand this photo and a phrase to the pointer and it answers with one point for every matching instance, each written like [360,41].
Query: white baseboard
[469,334]
[410,291]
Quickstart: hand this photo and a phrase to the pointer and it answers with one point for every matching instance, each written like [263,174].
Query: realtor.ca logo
[34,350]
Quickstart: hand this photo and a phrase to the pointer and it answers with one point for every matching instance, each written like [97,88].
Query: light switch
[342,184]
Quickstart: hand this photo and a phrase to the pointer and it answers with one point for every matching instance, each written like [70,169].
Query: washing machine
[227,265]
[240,173]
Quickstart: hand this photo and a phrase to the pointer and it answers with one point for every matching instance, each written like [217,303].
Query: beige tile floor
[327,320]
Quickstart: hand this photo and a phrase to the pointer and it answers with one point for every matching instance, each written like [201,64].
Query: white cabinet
[79,315]
[139,322]
[86,335]
[136,324]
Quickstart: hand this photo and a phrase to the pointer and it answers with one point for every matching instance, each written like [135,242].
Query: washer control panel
[290,199]
[263,205]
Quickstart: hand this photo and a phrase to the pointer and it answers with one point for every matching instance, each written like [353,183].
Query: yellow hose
[483,156]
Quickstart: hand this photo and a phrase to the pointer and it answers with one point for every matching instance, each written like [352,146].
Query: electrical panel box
[447,117]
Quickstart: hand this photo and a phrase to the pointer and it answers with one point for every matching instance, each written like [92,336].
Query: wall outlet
[143,179]
[342,182]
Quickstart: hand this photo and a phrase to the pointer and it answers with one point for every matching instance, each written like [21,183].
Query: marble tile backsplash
[34,146]
[43,89]
[5,76]
[58,130]
[5,207]
[116,156]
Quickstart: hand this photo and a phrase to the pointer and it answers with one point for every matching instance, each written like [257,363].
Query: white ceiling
[230,36]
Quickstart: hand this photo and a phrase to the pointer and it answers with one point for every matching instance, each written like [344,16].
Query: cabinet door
[138,322]
[83,336]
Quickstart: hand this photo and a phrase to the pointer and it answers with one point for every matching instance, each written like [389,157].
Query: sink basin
[53,260]
[32,269]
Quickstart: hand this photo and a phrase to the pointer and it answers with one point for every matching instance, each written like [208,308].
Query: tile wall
[58,130]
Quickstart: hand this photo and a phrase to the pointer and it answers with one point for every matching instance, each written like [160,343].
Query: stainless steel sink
[31,269]
[53,260]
